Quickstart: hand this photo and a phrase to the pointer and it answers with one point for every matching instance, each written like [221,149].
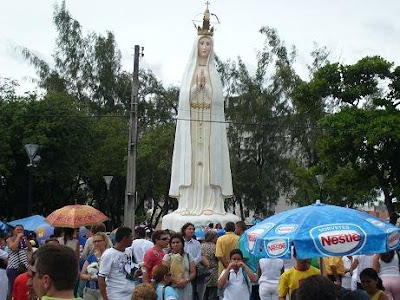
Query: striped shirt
[17,257]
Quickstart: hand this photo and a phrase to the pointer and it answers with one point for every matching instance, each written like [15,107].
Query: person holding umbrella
[69,239]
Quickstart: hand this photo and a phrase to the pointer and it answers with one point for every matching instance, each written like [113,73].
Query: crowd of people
[170,265]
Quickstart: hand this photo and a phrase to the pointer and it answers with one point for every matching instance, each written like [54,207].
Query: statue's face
[204,47]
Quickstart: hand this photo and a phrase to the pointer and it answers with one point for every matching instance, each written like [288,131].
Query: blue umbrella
[29,223]
[3,226]
[43,232]
[321,230]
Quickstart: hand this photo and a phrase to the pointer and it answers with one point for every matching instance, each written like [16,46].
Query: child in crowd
[372,284]
[236,278]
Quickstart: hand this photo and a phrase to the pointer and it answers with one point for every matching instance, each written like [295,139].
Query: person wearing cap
[54,274]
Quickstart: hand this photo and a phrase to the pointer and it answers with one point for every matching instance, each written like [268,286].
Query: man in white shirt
[115,264]
[140,245]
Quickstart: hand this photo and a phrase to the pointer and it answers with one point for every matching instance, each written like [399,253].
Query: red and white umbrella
[74,216]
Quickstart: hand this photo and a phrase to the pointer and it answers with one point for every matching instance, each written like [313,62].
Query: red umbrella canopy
[75,216]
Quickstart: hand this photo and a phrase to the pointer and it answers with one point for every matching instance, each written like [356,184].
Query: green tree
[86,66]
[59,125]
[359,139]
[108,158]
[258,108]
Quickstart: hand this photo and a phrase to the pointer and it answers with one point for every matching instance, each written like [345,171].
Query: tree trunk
[241,208]
[393,216]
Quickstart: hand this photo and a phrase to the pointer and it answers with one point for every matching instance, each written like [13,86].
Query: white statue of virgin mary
[201,175]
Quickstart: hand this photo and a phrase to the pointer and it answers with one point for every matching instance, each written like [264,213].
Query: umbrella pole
[321,266]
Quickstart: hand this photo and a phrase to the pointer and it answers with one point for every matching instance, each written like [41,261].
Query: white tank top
[270,270]
[389,269]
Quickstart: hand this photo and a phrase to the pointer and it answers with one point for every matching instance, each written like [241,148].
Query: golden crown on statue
[205,29]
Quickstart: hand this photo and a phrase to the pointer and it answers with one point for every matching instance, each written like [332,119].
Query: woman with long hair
[211,281]
[90,268]
[69,239]
[387,266]
[372,284]
[182,267]
[162,279]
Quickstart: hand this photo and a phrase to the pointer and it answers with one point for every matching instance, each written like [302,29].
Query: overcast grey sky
[351,29]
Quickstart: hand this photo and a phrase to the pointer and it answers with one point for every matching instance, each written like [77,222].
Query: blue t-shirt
[92,284]
[169,292]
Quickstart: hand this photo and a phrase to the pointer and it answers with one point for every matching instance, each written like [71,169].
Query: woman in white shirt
[269,272]
[387,265]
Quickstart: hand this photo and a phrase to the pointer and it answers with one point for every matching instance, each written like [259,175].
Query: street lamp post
[320,179]
[31,151]
[108,179]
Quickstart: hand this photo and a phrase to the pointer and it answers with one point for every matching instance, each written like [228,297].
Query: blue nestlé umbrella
[319,230]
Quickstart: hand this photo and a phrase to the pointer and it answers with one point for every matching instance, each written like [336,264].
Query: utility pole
[130,192]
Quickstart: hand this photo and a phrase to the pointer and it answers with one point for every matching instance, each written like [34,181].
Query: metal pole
[130,193]
[30,195]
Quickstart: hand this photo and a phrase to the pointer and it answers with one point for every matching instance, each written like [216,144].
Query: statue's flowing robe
[201,175]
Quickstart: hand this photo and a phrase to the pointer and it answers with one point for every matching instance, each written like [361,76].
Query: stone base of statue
[174,221]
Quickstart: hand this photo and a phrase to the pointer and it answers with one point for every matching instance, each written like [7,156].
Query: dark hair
[350,295]
[144,291]
[158,272]
[53,239]
[157,235]
[121,233]
[68,234]
[211,225]
[242,225]
[235,251]
[140,232]
[2,236]
[230,227]
[18,225]
[210,236]
[180,237]
[184,227]
[60,263]
[317,287]
[98,228]
[387,257]
[371,273]
[57,231]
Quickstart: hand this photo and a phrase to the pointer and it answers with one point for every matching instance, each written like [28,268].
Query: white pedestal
[174,221]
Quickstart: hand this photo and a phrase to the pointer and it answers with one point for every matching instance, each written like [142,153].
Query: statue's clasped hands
[201,80]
